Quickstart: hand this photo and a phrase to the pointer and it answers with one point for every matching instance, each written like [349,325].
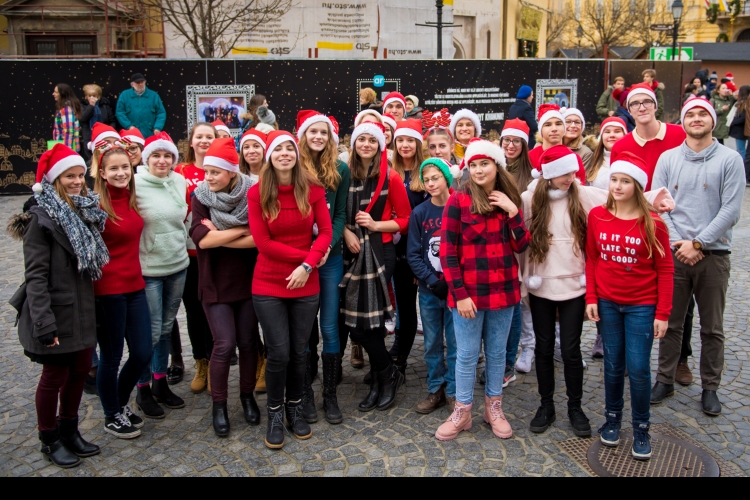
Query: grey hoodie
[707,188]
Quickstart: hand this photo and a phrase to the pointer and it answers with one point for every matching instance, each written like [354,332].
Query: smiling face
[643,109]
[465,130]
[698,123]
[218,178]
[512,146]
[317,137]
[135,154]
[564,181]
[388,135]
[160,163]
[697,82]
[622,187]
[439,146]
[483,172]
[284,157]
[396,110]
[434,180]
[552,131]
[117,170]
[366,146]
[409,106]
[573,127]
[406,146]
[73,180]
[203,136]
[252,151]
[610,135]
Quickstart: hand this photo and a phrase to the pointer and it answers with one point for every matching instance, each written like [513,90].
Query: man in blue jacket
[140,107]
[522,109]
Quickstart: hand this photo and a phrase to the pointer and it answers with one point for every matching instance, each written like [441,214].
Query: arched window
[459,54]
[744,36]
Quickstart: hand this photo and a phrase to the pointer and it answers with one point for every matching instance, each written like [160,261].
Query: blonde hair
[325,169]
[368,95]
[92,89]
[101,186]
[398,165]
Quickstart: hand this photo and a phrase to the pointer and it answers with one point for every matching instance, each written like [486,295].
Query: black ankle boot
[275,429]
[371,400]
[309,413]
[330,401]
[250,409]
[72,439]
[221,419]
[294,417]
[393,352]
[389,382]
[55,451]
[545,416]
[163,394]
[148,405]
[339,370]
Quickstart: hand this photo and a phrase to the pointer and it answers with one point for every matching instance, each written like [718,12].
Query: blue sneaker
[641,442]
[610,431]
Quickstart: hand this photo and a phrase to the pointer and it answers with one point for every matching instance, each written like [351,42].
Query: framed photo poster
[564,93]
[208,103]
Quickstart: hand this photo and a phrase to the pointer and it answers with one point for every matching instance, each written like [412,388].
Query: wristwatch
[308,268]
[697,245]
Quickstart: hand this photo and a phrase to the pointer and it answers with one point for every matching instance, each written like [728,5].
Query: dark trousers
[543,314]
[121,318]
[63,383]
[687,332]
[286,331]
[405,289]
[233,326]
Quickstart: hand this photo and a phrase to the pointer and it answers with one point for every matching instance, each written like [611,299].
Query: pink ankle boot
[460,420]
[493,415]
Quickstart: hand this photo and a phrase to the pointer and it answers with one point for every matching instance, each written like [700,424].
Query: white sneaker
[390,325]
[525,359]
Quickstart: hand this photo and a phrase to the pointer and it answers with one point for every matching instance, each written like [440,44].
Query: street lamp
[579,33]
[677,15]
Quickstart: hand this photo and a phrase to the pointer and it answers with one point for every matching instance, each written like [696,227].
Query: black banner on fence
[486,87]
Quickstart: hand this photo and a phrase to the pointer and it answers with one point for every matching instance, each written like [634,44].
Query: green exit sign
[665,54]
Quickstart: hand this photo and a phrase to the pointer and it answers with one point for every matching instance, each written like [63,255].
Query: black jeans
[406,302]
[286,330]
[543,314]
[687,333]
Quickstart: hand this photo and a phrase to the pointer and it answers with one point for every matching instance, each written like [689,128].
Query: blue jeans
[436,319]
[164,295]
[627,335]
[741,148]
[493,327]
[514,337]
[330,276]
[121,318]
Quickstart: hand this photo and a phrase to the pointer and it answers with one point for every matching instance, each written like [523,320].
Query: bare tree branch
[557,24]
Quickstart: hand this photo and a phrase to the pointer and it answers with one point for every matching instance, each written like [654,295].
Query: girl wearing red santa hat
[252,150]
[612,130]
[56,323]
[226,259]
[134,143]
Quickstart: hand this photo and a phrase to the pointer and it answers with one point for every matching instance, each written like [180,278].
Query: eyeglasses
[573,123]
[647,104]
[133,149]
[507,140]
[432,179]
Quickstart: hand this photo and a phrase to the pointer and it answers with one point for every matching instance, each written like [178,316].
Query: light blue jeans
[436,319]
[493,327]
[163,294]
[330,275]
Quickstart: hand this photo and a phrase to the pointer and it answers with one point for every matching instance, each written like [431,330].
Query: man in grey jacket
[706,181]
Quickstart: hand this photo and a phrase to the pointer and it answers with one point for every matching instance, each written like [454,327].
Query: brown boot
[451,402]
[683,376]
[357,356]
[432,402]
[260,375]
[200,381]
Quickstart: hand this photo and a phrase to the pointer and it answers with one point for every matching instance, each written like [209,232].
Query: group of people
[504,246]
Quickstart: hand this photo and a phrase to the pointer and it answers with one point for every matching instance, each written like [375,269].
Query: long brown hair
[68,98]
[325,169]
[190,156]
[597,161]
[541,215]
[358,170]
[504,182]
[269,189]
[645,221]
[521,168]
[65,196]
[101,186]
[398,165]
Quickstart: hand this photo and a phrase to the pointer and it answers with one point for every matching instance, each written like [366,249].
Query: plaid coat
[477,254]
[67,128]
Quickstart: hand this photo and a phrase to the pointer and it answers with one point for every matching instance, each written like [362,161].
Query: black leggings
[406,300]
[543,314]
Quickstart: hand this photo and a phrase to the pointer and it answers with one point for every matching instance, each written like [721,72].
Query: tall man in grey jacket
[706,181]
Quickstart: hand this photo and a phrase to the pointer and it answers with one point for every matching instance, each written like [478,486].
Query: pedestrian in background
[522,109]
[622,110]
[649,78]
[739,129]
[140,107]
[607,104]
[412,107]
[94,109]
[368,99]
[67,126]
[722,103]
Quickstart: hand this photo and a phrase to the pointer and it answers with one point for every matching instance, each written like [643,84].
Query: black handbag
[18,299]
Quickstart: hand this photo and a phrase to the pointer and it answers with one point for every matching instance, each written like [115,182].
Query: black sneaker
[579,422]
[545,416]
[120,426]
[135,420]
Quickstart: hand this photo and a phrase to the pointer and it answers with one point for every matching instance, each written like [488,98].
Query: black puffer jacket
[57,297]
[87,112]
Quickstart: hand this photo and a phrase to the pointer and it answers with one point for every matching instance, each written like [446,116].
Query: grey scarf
[82,226]
[228,210]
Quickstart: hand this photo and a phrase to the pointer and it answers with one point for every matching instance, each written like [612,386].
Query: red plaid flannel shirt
[477,254]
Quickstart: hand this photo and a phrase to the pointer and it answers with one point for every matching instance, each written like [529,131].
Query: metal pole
[674,38]
[439,5]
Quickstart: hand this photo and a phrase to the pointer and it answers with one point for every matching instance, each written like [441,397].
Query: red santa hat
[389,120]
[254,135]
[54,162]
[222,154]
[279,137]
[697,102]
[566,112]
[479,149]
[335,129]
[465,113]
[307,117]
[220,125]
[731,86]
[629,164]
[516,128]
[547,112]
[367,112]
[394,97]
[132,135]
[729,76]
[613,121]
[641,89]
[99,132]
[558,161]
[159,142]
[377,130]
[409,128]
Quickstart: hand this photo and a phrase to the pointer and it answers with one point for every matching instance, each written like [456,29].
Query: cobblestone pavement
[398,442]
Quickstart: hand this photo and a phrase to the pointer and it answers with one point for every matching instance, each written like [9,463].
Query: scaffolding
[121,28]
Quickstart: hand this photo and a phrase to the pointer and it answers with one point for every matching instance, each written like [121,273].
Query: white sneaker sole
[610,444]
[639,456]
[120,435]
[507,382]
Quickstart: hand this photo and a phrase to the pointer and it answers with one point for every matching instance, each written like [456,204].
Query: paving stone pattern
[398,442]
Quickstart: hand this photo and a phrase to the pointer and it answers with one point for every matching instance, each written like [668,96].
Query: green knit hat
[441,164]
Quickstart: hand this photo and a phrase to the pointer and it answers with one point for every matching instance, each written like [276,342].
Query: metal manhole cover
[671,457]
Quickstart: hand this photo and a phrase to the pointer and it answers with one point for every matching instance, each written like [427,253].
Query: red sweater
[397,207]
[670,138]
[193,175]
[122,237]
[287,242]
[535,155]
[618,267]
